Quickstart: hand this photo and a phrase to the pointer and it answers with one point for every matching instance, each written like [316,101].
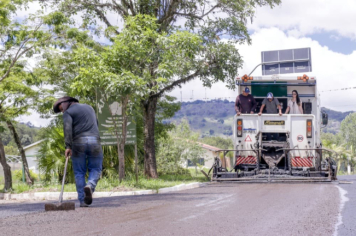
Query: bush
[17,175]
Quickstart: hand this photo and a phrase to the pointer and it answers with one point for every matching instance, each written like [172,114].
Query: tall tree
[347,130]
[20,42]
[219,60]
[122,70]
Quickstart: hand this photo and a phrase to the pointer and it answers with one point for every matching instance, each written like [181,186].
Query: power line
[338,89]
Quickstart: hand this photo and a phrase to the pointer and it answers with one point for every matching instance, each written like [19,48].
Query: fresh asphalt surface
[215,209]
[348,226]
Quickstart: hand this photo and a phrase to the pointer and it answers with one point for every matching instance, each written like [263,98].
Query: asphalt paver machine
[274,148]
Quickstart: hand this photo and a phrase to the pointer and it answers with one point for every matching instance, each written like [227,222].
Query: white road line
[343,200]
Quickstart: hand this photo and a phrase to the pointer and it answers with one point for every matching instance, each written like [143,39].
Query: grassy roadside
[113,185]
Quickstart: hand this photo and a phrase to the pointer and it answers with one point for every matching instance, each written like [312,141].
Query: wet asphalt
[348,226]
[215,209]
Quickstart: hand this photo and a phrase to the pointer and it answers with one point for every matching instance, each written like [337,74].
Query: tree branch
[188,15]
[129,5]
[103,18]
[18,55]
[176,83]
[125,13]
[212,9]
[169,15]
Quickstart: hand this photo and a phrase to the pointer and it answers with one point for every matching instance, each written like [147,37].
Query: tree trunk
[121,144]
[11,127]
[6,168]
[150,107]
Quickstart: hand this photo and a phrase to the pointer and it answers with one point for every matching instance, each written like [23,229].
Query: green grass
[108,185]
[344,173]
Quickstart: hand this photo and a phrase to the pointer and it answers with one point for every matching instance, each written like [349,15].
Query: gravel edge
[73,195]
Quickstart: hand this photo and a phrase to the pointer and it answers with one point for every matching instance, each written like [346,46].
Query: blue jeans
[87,154]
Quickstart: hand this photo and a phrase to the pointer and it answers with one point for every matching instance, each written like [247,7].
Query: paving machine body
[278,148]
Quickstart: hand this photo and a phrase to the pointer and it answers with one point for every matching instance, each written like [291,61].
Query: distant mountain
[210,118]
[336,115]
[29,124]
[215,117]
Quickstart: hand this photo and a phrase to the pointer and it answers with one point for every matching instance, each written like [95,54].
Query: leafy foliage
[174,151]
[161,53]
[347,130]
[17,175]
[23,130]
[51,154]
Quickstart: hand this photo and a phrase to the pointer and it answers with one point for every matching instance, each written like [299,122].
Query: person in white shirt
[295,104]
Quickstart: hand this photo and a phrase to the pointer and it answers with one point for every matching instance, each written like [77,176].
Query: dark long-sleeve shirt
[79,120]
[245,104]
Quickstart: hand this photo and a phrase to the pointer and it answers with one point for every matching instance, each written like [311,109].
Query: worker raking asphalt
[82,143]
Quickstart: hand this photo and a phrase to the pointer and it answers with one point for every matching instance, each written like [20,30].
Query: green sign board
[261,90]
[110,122]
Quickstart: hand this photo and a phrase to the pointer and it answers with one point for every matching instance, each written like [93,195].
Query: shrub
[17,175]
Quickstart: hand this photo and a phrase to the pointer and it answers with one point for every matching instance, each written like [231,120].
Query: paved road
[216,209]
[348,226]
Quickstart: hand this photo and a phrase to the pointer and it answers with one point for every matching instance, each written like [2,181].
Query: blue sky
[334,42]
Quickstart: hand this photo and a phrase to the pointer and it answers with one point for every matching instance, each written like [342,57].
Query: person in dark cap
[245,102]
[82,142]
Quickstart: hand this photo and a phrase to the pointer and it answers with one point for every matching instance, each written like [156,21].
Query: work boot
[88,198]
[82,204]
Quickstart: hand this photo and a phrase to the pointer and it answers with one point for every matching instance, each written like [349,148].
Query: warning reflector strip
[302,162]
[246,160]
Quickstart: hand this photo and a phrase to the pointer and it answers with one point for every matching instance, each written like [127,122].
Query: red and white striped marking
[302,162]
[246,160]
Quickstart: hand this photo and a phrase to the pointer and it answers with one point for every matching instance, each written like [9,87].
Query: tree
[347,130]
[118,71]
[26,140]
[218,60]
[177,148]
[21,42]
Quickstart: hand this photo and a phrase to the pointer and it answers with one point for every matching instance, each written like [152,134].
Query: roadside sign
[110,121]
[286,61]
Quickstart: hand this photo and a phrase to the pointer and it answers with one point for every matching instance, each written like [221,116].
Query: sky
[326,26]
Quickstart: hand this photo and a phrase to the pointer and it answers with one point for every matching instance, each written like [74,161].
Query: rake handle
[64,177]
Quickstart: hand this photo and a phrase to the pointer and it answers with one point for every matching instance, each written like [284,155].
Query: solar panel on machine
[286,61]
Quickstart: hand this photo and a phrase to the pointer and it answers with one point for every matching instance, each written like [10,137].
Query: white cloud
[335,37]
[333,70]
[308,17]
[35,119]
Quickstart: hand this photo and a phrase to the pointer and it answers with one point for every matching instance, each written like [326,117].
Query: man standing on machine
[271,104]
[245,103]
